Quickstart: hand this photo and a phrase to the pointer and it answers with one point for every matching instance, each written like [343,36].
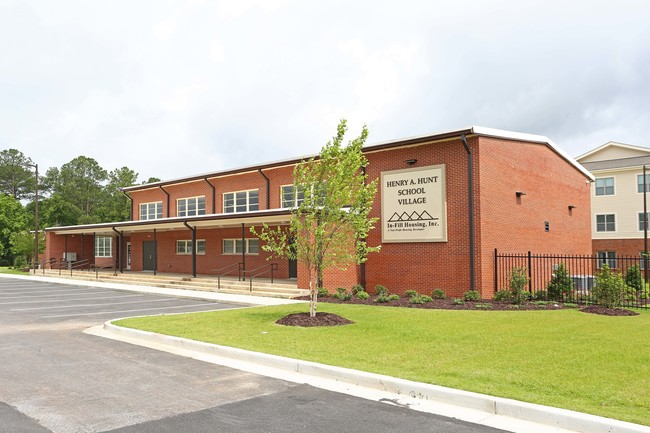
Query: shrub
[561,284]
[381,290]
[20,262]
[381,299]
[502,295]
[394,297]
[363,295]
[540,295]
[633,278]
[357,288]
[410,293]
[472,295]
[518,281]
[438,294]
[609,288]
[322,292]
[483,306]
[343,294]
[420,299]
[458,301]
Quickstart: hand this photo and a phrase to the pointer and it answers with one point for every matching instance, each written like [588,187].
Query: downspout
[362,269]
[166,193]
[119,248]
[193,248]
[470,197]
[83,247]
[243,250]
[214,195]
[268,189]
[131,200]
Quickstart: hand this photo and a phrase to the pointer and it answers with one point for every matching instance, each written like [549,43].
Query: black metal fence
[581,269]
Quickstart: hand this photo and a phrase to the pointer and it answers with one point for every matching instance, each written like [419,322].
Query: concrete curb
[544,415]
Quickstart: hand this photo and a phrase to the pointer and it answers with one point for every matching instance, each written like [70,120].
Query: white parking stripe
[92,305]
[69,300]
[52,295]
[125,311]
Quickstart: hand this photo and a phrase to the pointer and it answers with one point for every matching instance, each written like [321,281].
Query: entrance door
[128,256]
[148,255]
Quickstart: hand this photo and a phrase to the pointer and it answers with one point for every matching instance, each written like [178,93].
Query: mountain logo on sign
[413,216]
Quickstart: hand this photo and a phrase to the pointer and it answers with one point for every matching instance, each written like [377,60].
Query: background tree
[13,219]
[16,178]
[115,205]
[22,244]
[330,226]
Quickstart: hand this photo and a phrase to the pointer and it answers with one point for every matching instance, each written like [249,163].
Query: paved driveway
[54,378]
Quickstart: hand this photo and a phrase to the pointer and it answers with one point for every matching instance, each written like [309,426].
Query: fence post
[530,273]
[496,272]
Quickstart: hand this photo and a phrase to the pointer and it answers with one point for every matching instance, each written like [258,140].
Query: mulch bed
[596,309]
[321,319]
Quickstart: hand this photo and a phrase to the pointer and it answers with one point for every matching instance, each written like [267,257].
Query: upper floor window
[185,246]
[190,206]
[291,197]
[606,223]
[639,182]
[151,211]
[605,186]
[241,201]
[642,220]
[103,246]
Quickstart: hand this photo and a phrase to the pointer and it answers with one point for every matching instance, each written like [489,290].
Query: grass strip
[567,359]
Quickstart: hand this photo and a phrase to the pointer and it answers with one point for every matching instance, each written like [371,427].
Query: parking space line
[69,300]
[49,296]
[90,305]
[141,310]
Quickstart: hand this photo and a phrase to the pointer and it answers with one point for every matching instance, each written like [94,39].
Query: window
[608,257]
[643,220]
[606,223]
[185,246]
[241,201]
[151,211]
[642,261]
[190,206]
[103,246]
[291,199]
[639,182]
[605,186]
[234,246]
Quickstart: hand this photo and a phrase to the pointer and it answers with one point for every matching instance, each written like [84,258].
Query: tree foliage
[330,225]
[16,178]
[13,219]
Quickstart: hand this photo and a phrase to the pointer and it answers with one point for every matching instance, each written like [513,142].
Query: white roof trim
[613,143]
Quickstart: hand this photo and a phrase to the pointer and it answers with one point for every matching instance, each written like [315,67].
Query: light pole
[35,258]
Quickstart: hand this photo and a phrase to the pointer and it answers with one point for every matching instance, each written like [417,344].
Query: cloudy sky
[174,88]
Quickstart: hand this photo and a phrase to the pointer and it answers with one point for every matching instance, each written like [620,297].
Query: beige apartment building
[617,200]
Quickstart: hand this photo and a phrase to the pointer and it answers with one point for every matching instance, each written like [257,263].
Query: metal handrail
[222,272]
[271,267]
[79,264]
[48,262]
[98,268]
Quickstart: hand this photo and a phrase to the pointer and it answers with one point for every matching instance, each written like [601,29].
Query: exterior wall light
[411,161]
[571,207]
[519,193]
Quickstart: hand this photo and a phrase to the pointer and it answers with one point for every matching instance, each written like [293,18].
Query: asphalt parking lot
[55,378]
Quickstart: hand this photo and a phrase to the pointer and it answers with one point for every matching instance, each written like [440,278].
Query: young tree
[331,214]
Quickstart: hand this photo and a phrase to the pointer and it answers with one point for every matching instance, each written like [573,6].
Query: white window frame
[184,247]
[157,211]
[605,224]
[604,188]
[639,187]
[197,202]
[230,204]
[230,246]
[641,221]
[608,257]
[297,196]
[103,246]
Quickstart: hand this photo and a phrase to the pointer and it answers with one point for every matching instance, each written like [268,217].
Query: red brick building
[445,201]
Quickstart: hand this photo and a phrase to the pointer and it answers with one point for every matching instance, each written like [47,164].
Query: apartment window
[605,186]
[151,211]
[185,246]
[642,220]
[291,197]
[241,201]
[642,261]
[234,246]
[103,246]
[639,182]
[190,206]
[606,223]
[607,257]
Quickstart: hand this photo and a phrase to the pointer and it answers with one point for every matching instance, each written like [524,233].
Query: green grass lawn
[568,359]
[6,270]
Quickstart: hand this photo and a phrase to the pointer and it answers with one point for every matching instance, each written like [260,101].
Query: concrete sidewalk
[477,408]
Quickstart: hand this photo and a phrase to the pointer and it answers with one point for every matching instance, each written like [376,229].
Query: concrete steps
[260,287]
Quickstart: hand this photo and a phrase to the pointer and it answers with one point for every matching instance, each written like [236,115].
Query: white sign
[414,205]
